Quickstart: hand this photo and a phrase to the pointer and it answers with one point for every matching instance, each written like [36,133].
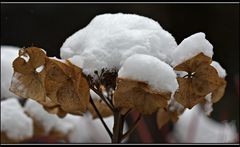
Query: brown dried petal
[58,87]
[164,116]
[21,66]
[103,109]
[81,85]
[26,82]
[174,116]
[219,92]
[28,86]
[37,56]
[68,99]
[204,80]
[76,113]
[36,59]
[185,94]
[66,86]
[60,112]
[133,94]
[193,63]
[56,110]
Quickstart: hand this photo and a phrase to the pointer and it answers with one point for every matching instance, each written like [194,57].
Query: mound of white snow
[110,38]
[8,54]
[48,121]
[194,126]
[190,47]
[159,75]
[221,71]
[14,122]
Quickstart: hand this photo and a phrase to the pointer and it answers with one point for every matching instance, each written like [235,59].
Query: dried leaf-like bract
[170,114]
[164,116]
[138,95]
[26,81]
[59,86]
[219,92]
[201,80]
[66,86]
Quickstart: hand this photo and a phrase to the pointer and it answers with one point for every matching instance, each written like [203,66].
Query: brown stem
[110,101]
[100,117]
[118,126]
[126,114]
[102,97]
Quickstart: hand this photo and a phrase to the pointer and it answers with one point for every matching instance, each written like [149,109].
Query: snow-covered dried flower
[201,79]
[144,83]
[59,86]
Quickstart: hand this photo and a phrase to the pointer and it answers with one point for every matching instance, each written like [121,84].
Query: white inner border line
[119,2]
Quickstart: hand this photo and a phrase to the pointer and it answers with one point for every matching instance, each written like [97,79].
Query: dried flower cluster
[62,88]
[59,87]
[201,79]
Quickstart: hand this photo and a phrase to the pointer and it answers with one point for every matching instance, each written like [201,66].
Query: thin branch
[102,97]
[132,128]
[109,100]
[126,114]
[100,117]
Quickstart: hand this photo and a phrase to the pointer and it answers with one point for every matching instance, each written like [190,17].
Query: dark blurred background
[48,25]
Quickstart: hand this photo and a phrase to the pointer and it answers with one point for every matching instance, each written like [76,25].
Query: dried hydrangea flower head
[131,63]
[59,86]
[193,56]
[201,79]
[144,83]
